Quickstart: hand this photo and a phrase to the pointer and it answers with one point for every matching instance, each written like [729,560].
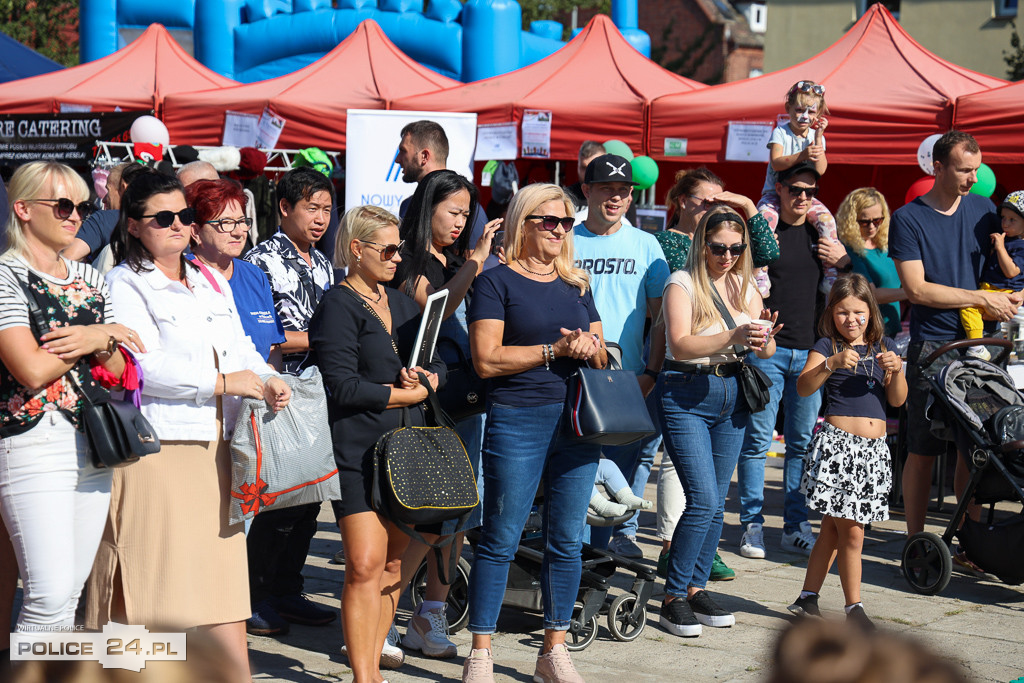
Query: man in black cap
[795,279]
[627,275]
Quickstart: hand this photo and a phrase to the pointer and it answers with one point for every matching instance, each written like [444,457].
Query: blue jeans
[471,431]
[521,446]
[635,461]
[783,369]
[703,428]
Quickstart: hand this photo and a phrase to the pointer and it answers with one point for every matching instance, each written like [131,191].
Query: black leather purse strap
[729,321]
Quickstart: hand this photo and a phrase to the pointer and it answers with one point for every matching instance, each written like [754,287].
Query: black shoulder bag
[754,384]
[117,432]
[464,393]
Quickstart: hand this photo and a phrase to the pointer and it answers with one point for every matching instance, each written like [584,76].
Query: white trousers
[671,499]
[54,504]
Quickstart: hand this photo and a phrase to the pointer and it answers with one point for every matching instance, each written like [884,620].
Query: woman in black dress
[361,332]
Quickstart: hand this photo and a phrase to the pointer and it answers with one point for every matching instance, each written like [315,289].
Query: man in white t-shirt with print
[627,275]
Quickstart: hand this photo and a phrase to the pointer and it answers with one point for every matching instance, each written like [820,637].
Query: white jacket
[191,336]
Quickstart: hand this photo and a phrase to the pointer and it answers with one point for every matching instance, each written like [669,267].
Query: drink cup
[765,325]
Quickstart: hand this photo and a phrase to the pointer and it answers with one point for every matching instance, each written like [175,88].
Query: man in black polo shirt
[795,278]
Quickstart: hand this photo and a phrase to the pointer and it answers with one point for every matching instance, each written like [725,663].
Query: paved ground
[979,622]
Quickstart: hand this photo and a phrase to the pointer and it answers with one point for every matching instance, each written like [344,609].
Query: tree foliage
[535,10]
[1015,57]
[49,27]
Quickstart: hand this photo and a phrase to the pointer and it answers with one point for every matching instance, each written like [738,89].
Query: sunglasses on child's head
[65,207]
[721,249]
[865,222]
[809,87]
[796,191]
[549,223]
[165,219]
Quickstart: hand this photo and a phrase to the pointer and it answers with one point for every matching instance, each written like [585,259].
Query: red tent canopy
[996,119]
[365,71]
[885,93]
[135,77]
[598,87]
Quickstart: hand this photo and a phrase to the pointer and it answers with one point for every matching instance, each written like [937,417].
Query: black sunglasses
[811,192]
[387,251]
[165,219]
[549,223]
[865,222]
[65,207]
[721,249]
[229,224]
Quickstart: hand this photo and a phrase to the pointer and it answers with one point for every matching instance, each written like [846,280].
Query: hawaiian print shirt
[297,286]
[73,303]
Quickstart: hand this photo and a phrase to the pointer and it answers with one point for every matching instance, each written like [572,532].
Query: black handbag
[464,393]
[754,384]
[606,406]
[117,432]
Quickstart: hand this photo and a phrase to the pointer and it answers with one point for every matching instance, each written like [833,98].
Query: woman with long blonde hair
[863,222]
[703,417]
[532,323]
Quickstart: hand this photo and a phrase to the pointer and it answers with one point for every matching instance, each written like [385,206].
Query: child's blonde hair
[807,89]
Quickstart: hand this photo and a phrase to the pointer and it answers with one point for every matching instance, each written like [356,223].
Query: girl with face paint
[798,142]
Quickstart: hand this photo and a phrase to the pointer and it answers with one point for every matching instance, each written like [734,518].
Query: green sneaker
[720,572]
[663,565]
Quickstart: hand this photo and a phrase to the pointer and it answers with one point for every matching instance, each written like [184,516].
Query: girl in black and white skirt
[848,473]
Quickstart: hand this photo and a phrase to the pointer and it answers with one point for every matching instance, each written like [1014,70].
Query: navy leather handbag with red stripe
[606,406]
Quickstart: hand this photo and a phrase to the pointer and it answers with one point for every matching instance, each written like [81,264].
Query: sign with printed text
[536,134]
[373,135]
[69,138]
[118,646]
[748,141]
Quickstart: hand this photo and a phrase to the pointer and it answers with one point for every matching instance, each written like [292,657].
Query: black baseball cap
[609,168]
[797,169]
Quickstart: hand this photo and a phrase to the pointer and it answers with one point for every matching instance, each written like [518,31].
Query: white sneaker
[428,633]
[392,656]
[752,543]
[625,546]
[801,541]
[979,352]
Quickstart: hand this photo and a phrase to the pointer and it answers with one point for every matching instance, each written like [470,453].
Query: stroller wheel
[927,564]
[581,634]
[621,622]
[458,593]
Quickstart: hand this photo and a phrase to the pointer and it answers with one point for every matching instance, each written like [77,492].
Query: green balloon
[620,148]
[986,183]
[645,172]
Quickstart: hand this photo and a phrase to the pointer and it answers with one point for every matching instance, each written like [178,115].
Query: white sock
[806,594]
[625,497]
[849,608]
[428,605]
[606,508]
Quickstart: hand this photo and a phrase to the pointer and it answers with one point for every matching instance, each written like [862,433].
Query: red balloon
[919,187]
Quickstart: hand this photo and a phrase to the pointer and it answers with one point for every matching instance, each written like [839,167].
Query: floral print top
[79,299]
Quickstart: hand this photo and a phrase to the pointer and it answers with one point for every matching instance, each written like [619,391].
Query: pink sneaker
[478,667]
[556,667]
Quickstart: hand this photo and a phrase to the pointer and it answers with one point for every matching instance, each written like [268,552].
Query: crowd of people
[559,279]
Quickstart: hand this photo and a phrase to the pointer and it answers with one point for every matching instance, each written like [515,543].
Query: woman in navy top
[532,323]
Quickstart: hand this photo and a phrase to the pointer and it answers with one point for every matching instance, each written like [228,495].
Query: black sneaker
[299,609]
[708,613]
[265,621]
[678,619]
[806,607]
[858,617]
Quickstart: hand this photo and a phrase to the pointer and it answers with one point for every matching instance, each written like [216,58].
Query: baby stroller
[626,614]
[976,404]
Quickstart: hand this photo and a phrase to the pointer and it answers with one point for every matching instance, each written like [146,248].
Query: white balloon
[924,153]
[150,130]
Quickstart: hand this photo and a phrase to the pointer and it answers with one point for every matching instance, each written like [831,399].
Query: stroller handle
[1000,360]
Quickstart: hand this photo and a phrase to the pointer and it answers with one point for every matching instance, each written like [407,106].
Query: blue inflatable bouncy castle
[251,40]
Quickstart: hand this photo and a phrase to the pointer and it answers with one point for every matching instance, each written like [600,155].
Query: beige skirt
[169,557]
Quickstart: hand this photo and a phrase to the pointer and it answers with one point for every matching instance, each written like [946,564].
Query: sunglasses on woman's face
[865,222]
[165,219]
[64,207]
[387,251]
[721,249]
[549,223]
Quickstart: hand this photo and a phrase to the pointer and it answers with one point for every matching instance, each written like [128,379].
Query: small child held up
[1004,267]
[848,473]
[800,140]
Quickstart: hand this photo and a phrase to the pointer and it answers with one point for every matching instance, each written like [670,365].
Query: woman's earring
[358,260]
